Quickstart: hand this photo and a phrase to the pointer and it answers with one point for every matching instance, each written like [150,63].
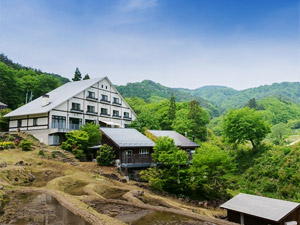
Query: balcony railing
[91,112]
[117,103]
[76,110]
[137,158]
[58,125]
[104,100]
[91,98]
[127,118]
[74,126]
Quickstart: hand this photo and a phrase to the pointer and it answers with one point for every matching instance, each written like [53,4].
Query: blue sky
[235,43]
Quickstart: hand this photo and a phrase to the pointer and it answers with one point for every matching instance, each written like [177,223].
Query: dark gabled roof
[267,208]
[180,140]
[125,137]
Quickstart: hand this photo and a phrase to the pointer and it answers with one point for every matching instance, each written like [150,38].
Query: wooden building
[133,149]
[248,209]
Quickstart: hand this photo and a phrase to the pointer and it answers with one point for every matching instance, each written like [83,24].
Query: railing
[92,98]
[117,103]
[127,118]
[59,125]
[137,158]
[91,112]
[76,110]
[74,126]
[104,100]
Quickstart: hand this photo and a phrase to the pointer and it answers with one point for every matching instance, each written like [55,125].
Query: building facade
[70,106]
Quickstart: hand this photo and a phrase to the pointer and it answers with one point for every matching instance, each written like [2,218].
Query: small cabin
[133,149]
[248,209]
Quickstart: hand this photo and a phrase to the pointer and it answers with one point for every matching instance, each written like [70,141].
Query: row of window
[34,123]
[104,98]
[104,111]
[142,151]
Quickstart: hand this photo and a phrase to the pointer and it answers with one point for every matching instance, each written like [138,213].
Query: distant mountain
[151,91]
[216,98]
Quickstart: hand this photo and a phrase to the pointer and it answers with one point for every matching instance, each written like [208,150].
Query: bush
[26,145]
[106,155]
[41,153]
[6,145]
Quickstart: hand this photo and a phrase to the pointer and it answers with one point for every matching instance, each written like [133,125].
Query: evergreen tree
[199,118]
[77,75]
[86,77]
[172,108]
[252,103]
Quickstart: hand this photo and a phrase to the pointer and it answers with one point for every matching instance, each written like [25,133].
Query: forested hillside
[216,98]
[17,80]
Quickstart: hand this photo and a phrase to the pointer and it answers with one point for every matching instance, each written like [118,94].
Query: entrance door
[127,156]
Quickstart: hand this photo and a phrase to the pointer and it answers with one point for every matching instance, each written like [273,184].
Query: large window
[75,123]
[75,106]
[104,98]
[126,114]
[116,101]
[91,94]
[104,111]
[59,122]
[144,151]
[116,113]
[91,108]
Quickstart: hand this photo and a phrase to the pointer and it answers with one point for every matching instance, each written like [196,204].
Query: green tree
[93,132]
[77,75]
[210,170]
[252,103]
[86,77]
[4,120]
[172,108]
[106,155]
[280,131]
[199,118]
[243,125]
[145,120]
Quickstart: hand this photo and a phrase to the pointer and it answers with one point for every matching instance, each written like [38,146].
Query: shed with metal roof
[256,210]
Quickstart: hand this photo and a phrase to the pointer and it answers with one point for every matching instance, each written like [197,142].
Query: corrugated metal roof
[126,137]
[267,208]
[56,97]
[179,139]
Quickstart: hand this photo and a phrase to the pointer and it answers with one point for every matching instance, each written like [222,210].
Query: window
[105,87]
[59,122]
[104,111]
[102,86]
[35,122]
[91,108]
[75,106]
[104,98]
[115,113]
[129,152]
[75,123]
[19,123]
[144,151]
[126,114]
[116,100]
[91,94]
[90,121]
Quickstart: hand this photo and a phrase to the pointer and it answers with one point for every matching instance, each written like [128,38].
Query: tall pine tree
[77,75]
[172,108]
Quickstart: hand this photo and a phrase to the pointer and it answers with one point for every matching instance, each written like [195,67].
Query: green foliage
[41,153]
[4,120]
[199,118]
[210,170]
[93,132]
[252,103]
[77,142]
[243,125]
[77,75]
[86,77]
[172,108]
[6,145]
[26,145]
[16,80]
[53,155]
[106,155]
[279,132]
[145,120]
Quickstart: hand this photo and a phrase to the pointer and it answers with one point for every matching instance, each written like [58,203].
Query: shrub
[26,145]
[41,153]
[53,155]
[6,145]
[105,156]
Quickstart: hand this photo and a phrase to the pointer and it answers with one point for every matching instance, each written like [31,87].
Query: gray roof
[126,137]
[57,97]
[267,208]
[3,104]
[180,140]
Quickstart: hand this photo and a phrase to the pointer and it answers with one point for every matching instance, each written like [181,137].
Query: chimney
[45,100]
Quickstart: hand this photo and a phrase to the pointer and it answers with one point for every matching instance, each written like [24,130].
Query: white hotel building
[70,106]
